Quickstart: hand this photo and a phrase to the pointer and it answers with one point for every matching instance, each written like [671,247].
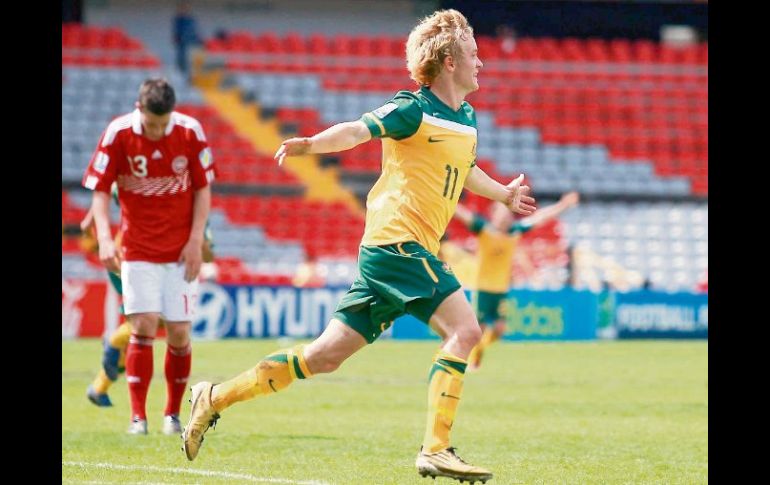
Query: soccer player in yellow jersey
[113,355]
[428,156]
[498,239]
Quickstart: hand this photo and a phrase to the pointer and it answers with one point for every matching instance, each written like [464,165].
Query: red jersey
[156,182]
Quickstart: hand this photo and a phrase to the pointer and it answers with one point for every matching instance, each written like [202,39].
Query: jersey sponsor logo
[156,155]
[205,158]
[179,165]
[435,140]
[384,110]
[101,162]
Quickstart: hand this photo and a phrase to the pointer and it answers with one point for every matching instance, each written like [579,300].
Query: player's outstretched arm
[337,138]
[514,195]
[570,199]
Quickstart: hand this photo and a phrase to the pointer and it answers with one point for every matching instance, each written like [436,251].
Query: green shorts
[490,307]
[394,280]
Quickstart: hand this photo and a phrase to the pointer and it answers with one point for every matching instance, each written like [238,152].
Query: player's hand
[518,199]
[571,198]
[293,147]
[192,257]
[108,255]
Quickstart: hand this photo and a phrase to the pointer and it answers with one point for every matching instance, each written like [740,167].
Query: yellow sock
[445,385]
[102,382]
[487,338]
[273,373]
[119,338]
[122,359]
[475,356]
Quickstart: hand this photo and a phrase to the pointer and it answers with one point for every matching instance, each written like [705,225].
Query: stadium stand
[623,122]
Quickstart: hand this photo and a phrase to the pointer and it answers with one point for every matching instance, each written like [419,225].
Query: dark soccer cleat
[101,400]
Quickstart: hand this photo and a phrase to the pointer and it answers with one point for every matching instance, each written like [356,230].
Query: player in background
[163,167]
[460,259]
[113,355]
[498,239]
[429,155]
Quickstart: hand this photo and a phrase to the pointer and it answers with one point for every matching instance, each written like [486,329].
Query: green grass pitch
[536,413]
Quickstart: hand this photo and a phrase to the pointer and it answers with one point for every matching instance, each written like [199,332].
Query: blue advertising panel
[651,314]
[262,311]
[565,314]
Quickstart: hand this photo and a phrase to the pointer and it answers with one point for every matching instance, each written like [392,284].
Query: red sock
[139,372]
[178,362]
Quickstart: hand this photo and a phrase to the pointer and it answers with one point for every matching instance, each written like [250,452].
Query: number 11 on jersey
[449,170]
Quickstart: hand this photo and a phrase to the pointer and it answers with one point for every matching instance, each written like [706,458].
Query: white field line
[205,473]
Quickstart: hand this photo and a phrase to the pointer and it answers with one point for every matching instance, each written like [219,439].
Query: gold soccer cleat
[446,463]
[202,416]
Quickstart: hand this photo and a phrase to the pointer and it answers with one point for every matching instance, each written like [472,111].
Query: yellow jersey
[427,151]
[495,254]
[463,263]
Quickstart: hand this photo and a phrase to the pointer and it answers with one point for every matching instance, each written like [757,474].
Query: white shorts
[158,287]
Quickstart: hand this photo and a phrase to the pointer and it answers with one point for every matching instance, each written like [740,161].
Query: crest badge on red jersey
[179,165]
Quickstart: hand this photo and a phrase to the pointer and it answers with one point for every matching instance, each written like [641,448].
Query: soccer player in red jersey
[163,168]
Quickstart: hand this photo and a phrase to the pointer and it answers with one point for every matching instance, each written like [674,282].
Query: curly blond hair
[431,41]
